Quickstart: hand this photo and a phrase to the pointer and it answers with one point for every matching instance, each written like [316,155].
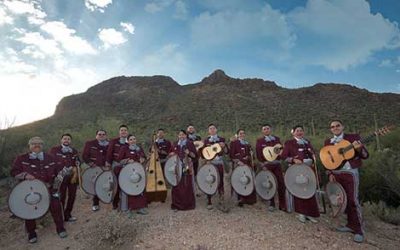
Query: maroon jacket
[240,152]
[163,146]
[356,161]
[127,153]
[293,150]
[262,143]
[93,152]
[180,151]
[64,159]
[113,150]
[44,170]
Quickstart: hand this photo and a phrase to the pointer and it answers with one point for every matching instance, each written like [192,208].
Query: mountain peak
[216,76]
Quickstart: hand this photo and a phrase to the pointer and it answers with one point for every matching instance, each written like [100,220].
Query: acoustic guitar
[271,153]
[211,151]
[333,156]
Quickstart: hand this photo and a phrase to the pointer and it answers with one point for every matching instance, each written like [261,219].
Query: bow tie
[66,149]
[302,141]
[336,139]
[134,147]
[160,140]
[269,138]
[192,136]
[122,140]
[39,156]
[103,143]
[182,143]
[243,142]
[213,138]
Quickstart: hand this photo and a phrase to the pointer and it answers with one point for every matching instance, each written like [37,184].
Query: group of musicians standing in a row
[124,149]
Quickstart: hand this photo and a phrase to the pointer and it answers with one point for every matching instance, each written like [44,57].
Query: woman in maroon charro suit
[128,154]
[347,175]
[297,151]
[183,197]
[240,154]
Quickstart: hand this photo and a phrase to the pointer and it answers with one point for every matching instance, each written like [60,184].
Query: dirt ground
[248,227]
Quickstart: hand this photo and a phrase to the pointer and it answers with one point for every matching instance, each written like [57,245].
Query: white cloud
[12,64]
[111,37]
[241,27]
[339,34]
[31,9]
[128,27]
[65,36]
[48,47]
[99,5]
[4,17]
[386,63]
[181,11]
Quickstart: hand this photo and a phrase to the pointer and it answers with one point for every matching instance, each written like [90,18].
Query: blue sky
[54,48]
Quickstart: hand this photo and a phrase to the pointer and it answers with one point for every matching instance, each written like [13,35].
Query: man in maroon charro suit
[192,136]
[66,156]
[94,154]
[183,197]
[297,151]
[39,165]
[241,154]
[269,140]
[112,161]
[347,175]
[128,154]
[217,161]
[163,146]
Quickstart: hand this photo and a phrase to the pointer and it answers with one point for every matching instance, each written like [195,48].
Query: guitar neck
[363,140]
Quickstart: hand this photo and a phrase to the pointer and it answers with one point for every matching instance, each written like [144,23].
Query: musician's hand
[357,145]
[108,165]
[29,177]
[131,161]
[297,161]
[332,178]
[92,165]
[142,159]
[240,163]
[222,144]
[187,151]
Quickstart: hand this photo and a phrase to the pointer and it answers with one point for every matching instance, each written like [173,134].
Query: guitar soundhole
[151,171]
[160,183]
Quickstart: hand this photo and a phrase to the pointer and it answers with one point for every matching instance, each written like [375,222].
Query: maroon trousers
[137,201]
[183,194]
[350,182]
[117,170]
[220,169]
[56,213]
[67,187]
[308,207]
[277,171]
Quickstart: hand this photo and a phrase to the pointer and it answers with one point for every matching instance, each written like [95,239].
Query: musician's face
[298,132]
[212,130]
[336,128]
[181,136]
[123,132]
[101,135]
[266,130]
[160,134]
[66,140]
[241,135]
[191,129]
[36,147]
[132,140]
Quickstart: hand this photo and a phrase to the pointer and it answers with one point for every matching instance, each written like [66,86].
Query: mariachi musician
[112,162]
[128,154]
[349,178]
[241,154]
[183,197]
[163,146]
[192,136]
[298,151]
[217,161]
[269,140]
[39,165]
[94,154]
[66,156]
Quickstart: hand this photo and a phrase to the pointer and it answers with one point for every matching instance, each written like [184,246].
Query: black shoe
[32,238]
